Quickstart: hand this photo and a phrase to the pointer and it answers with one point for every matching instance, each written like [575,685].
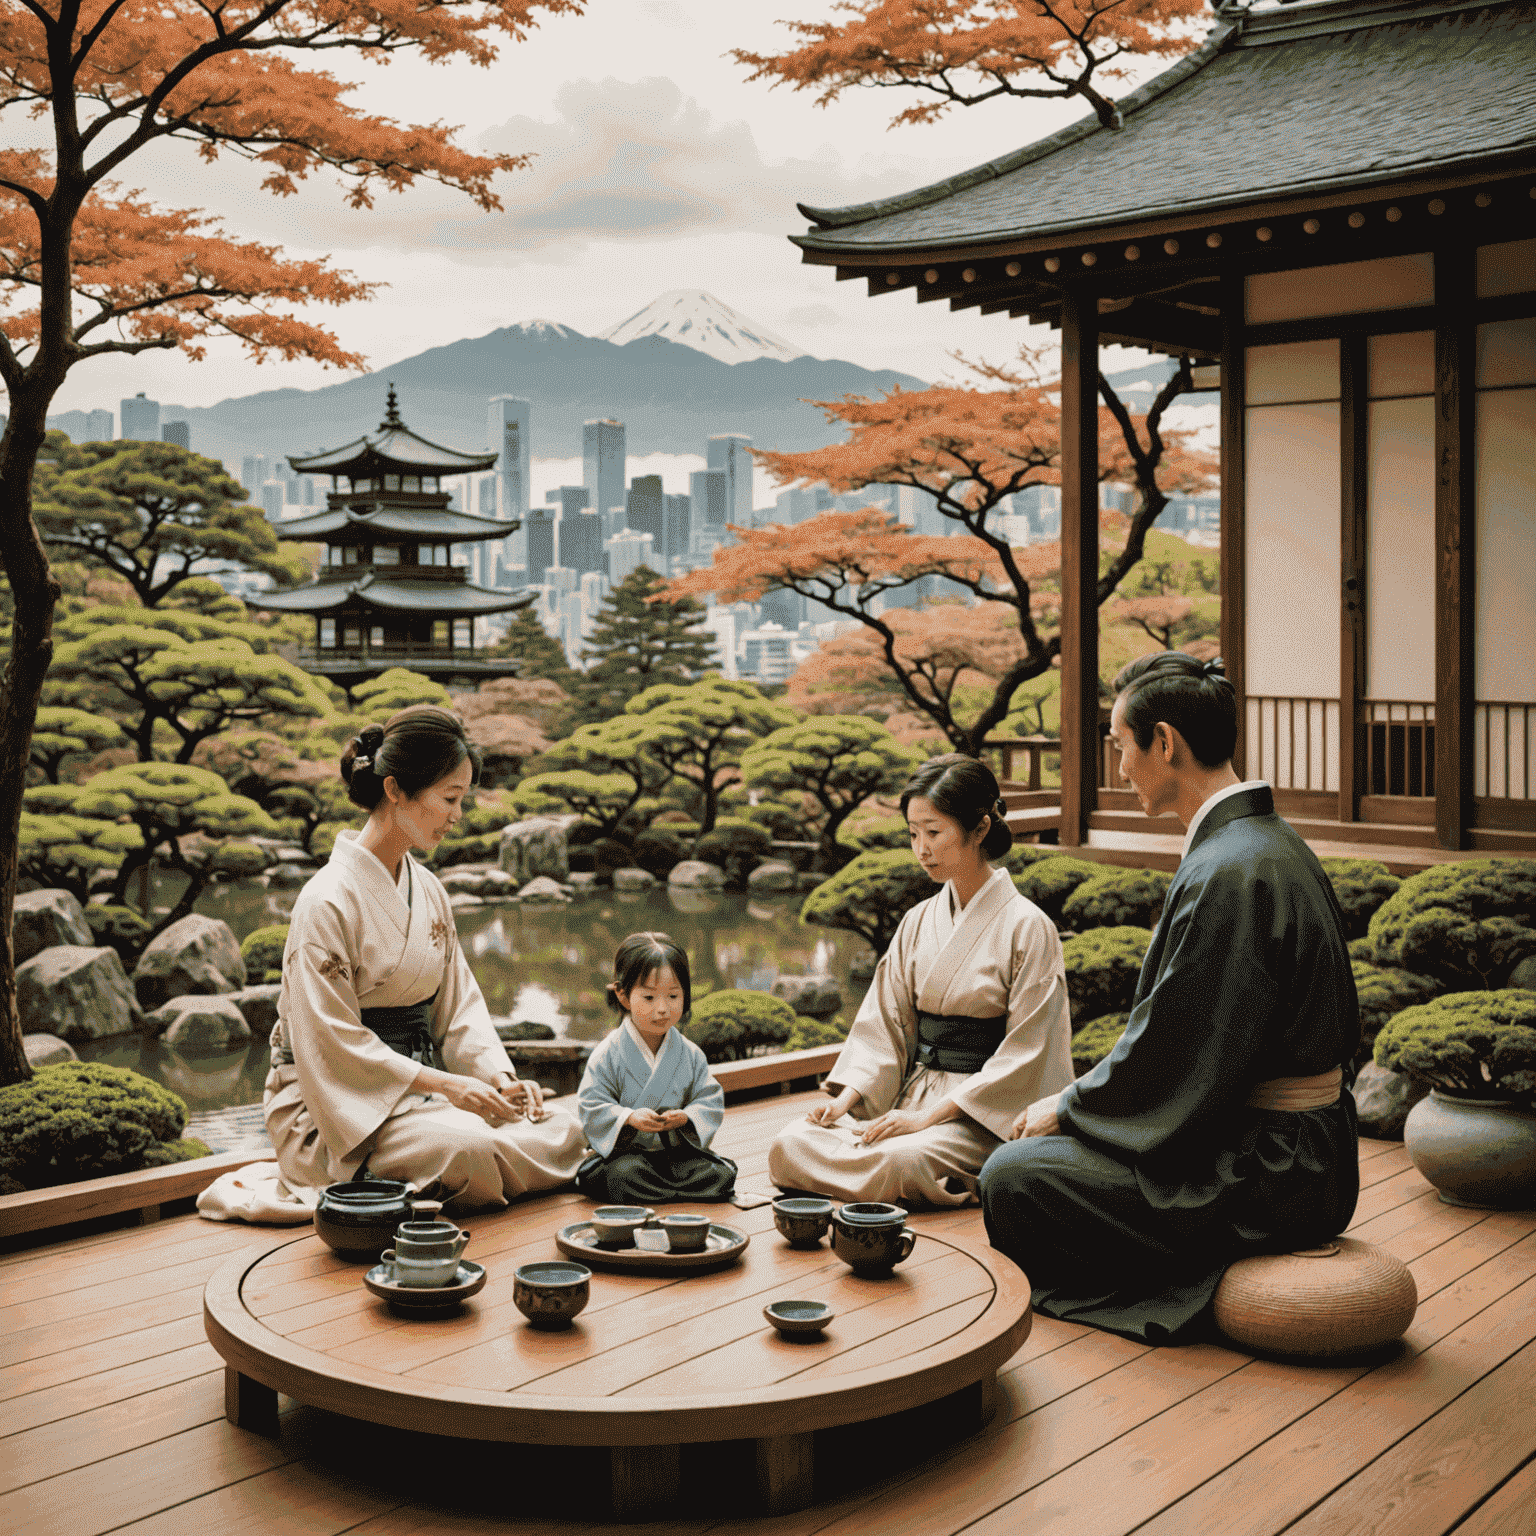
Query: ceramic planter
[1477,1152]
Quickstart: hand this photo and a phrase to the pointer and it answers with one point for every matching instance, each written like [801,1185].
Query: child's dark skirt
[676,1170]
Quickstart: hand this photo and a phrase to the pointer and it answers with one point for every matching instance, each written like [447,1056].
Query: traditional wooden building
[389,593]
[1336,202]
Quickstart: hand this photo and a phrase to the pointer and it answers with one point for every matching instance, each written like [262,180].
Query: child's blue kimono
[631,1167]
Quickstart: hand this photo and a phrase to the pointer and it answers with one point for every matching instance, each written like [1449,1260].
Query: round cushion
[1341,1299]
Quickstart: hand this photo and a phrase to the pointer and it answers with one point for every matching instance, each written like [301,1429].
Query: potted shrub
[1474,1137]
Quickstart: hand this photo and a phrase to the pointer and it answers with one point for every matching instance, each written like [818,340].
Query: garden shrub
[738,846]
[1049,881]
[786,822]
[867,832]
[1096,1039]
[262,950]
[81,1120]
[1384,993]
[1117,898]
[119,928]
[660,850]
[809,1033]
[609,854]
[1467,924]
[1361,886]
[732,1023]
[1362,949]
[1102,969]
[477,837]
[161,1154]
[870,895]
[1474,1044]
[526,1029]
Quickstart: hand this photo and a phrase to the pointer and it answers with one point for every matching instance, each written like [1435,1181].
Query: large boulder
[47,1050]
[76,993]
[1383,1099]
[696,875]
[543,891]
[197,1024]
[483,880]
[819,997]
[583,882]
[537,847]
[45,919]
[258,1004]
[196,956]
[633,879]
[775,875]
[1523,975]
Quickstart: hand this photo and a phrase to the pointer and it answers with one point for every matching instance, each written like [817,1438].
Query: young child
[647,1102]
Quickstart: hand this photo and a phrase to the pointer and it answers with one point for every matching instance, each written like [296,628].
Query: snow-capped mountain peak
[699,320]
[547,330]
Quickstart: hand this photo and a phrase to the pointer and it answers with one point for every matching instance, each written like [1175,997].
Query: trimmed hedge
[1474,1044]
[1117,898]
[1096,1039]
[809,1033]
[1048,882]
[1361,886]
[1103,966]
[870,895]
[262,950]
[731,1024]
[1383,994]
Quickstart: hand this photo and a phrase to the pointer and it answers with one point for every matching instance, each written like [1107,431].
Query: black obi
[407,1029]
[958,1043]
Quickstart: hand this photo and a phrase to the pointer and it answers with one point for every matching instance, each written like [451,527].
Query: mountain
[671,397]
[700,320]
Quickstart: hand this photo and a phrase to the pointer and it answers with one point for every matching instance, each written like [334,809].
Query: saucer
[426,1300]
[724,1245]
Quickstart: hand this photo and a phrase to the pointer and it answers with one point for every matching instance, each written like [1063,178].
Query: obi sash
[407,1029]
[957,1042]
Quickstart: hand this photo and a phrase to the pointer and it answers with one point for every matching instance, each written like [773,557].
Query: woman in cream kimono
[965,1024]
[376,988]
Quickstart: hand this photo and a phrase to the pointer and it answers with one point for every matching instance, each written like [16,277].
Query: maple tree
[89,267]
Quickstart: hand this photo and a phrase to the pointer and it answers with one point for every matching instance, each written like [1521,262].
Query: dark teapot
[358,1219]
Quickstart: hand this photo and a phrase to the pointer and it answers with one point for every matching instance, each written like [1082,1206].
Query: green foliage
[69,836]
[161,1154]
[398,688]
[840,760]
[784,816]
[808,1033]
[1466,924]
[660,850]
[302,809]
[119,928]
[1096,1039]
[1362,949]
[1383,994]
[262,950]
[733,1023]
[861,834]
[1117,898]
[1473,1044]
[1048,882]
[526,1029]
[80,1120]
[540,653]
[60,732]
[1361,886]
[476,839]
[1103,966]
[738,846]
[602,798]
[870,895]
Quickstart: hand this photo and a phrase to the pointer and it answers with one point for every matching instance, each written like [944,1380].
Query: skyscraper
[731,454]
[707,500]
[507,433]
[540,528]
[602,463]
[99,427]
[253,472]
[178,432]
[627,552]
[676,512]
[73,424]
[570,499]
[644,510]
[141,419]
[581,541]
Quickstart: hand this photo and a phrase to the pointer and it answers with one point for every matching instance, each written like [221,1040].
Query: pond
[547,965]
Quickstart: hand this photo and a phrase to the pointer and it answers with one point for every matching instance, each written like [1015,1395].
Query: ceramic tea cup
[430,1240]
[798,1319]
[871,1238]
[550,1294]
[417,1273]
[686,1233]
[801,1220]
[615,1225]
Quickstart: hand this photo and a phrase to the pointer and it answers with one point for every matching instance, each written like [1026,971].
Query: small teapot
[427,1236]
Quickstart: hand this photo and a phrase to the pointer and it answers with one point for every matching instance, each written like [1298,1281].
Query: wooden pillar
[644,1480]
[1455,543]
[786,1472]
[1080,750]
[248,1404]
[1234,486]
[1353,449]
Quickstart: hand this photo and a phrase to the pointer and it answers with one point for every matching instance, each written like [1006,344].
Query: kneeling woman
[966,1020]
[376,990]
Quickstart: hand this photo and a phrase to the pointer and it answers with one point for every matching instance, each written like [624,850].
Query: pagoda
[389,594]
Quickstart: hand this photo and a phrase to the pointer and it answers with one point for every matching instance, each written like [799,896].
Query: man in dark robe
[1221,1125]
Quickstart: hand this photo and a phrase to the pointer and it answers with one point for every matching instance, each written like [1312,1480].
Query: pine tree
[637,643]
[540,653]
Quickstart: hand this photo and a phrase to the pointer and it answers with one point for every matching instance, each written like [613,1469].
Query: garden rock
[818,996]
[695,874]
[45,919]
[537,847]
[773,876]
[633,879]
[483,880]
[76,993]
[1523,975]
[198,955]
[460,902]
[47,1050]
[258,1005]
[583,881]
[543,891]
[287,877]
[198,1023]
[1383,1099]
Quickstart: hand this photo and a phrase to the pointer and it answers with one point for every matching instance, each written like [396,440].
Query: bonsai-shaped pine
[262,950]
[841,760]
[63,845]
[731,1024]
[1384,993]
[1096,1039]
[151,512]
[1050,881]
[870,895]
[639,639]
[1102,970]
[1467,924]
[61,732]
[81,1120]
[1117,898]
[606,751]
[1361,886]
[377,698]
[603,799]
[860,834]
[1478,1045]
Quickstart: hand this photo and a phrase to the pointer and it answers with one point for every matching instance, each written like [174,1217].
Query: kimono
[339,1100]
[631,1167]
[996,962]
[1164,1173]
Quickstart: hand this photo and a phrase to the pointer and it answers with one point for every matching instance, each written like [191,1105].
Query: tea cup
[801,1220]
[430,1240]
[550,1294]
[800,1319]
[420,1273]
[686,1233]
[615,1225]
[871,1237]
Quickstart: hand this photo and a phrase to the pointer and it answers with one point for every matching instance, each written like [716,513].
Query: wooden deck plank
[100,1355]
[1507,1511]
[88,1328]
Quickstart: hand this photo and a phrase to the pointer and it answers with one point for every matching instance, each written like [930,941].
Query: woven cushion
[1340,1299]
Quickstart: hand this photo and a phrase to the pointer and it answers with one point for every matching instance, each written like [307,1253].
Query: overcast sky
[659,167]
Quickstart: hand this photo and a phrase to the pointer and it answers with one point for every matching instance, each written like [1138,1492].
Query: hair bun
[370,739]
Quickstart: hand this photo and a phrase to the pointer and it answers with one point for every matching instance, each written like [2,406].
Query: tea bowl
[798,1318]
[802,1221]
[871,1238]
[550,1294]
[686,1233]
[616,1225]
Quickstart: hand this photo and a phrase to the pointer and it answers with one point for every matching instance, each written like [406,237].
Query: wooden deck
[112,1412]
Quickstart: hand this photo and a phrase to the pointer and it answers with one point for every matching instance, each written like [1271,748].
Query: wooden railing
[401,653]
[1398,744]
[1503,753]
[1293,742]
[1035,748]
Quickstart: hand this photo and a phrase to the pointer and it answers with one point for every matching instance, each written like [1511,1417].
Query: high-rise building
[677,517]
[721,623]
[540,542]
[570,499]
[507,434]
[594,588]
[707,500]
[99,427]
[919,510]
[73,424]
[581,541]
[627,552]
[141,419]
[602,463]
[274,493]
[253,472]
[800,506]
[782,607]
[765,653]
[645,510]
[731,454]
[178,432]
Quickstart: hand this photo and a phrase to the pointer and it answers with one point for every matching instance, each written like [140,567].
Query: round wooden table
[655,1362]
